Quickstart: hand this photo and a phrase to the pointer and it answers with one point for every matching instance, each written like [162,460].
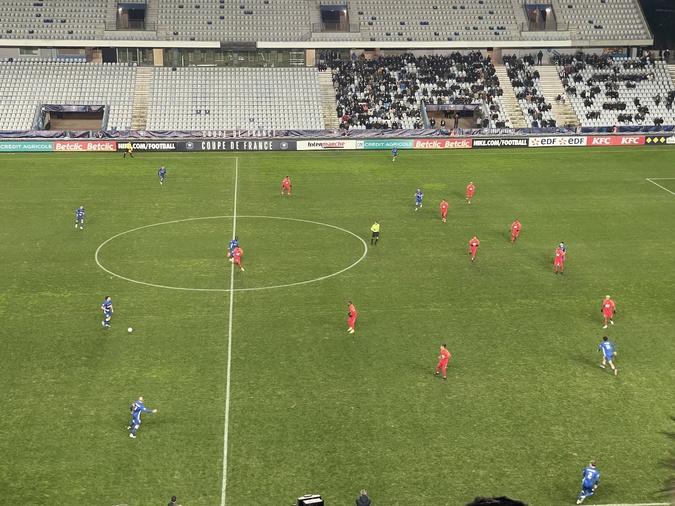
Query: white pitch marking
[639,504]
[226,429]
[662,187]
[365,252]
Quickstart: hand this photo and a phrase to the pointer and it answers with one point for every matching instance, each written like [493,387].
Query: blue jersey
[591,477]
[233,244]
[79,213]
[107,306]
[418,195]
[137,408]
[607,348]
[563,249]
[161,172]
[394,151]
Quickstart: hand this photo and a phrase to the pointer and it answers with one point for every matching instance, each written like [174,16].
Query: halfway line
[229,342]
[662,187]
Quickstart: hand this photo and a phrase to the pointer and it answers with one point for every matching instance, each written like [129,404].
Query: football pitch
[257,366]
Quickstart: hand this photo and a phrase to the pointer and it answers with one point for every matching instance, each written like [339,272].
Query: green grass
[313,409]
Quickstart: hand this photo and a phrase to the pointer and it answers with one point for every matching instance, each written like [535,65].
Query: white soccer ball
[130,330]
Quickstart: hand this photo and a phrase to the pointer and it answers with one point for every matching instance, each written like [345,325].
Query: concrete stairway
[509,99]
[671,71]
[551,87]
[519,11]
[139,112]
[328,104]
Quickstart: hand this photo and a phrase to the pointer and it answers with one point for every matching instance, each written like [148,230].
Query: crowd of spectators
[389,91]
[628,88]
[526,85]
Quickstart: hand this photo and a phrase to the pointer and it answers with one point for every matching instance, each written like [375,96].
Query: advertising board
[499,142]
[556,141]
[85,146]
[24,146]
[385,144]
[616,140]
[337,144]
[660,139]
[442,143]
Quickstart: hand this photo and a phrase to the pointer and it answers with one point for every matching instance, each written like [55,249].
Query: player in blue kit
[234,243]
[589,483]
[418,199]
[136,409]
[609,350]
[79,217]
[107,308]
[394,153]
[161,172]
[562,248]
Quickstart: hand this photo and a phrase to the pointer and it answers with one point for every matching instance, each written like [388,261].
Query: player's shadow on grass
[545,260]
[587,361]
[499,236]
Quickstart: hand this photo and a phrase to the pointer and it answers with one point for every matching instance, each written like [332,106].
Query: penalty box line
[226,428]
[653,180]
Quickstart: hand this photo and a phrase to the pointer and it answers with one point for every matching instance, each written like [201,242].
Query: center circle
[212,255]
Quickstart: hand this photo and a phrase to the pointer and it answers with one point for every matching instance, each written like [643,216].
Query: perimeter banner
[13,147]
[498,142]
[442,143]
[85,146]
[237,145]
[553,141]
[149,146]
[329,145]
[660,139]
[616,140]
[385,144]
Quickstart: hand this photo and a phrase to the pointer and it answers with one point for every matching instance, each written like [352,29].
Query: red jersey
[608,306]
[474,242]
[237,252]
[470,189]
[444,207]
[515,226]
[286,182]
[352,311]
[445,355]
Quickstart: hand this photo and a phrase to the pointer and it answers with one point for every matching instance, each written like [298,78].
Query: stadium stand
[618,91]
[249,20]
[527,86]
[28,84]
[597,20]
[389,92]
[53,19]
[380,21]
[436,20]
[213,98]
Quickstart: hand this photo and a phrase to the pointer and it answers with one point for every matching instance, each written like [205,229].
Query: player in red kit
[444,210]
[515,230]
[286,185]
[559,262]
[443,361]
[608,310]
[469,192]
[351,317]
[473,246]
[236,256]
